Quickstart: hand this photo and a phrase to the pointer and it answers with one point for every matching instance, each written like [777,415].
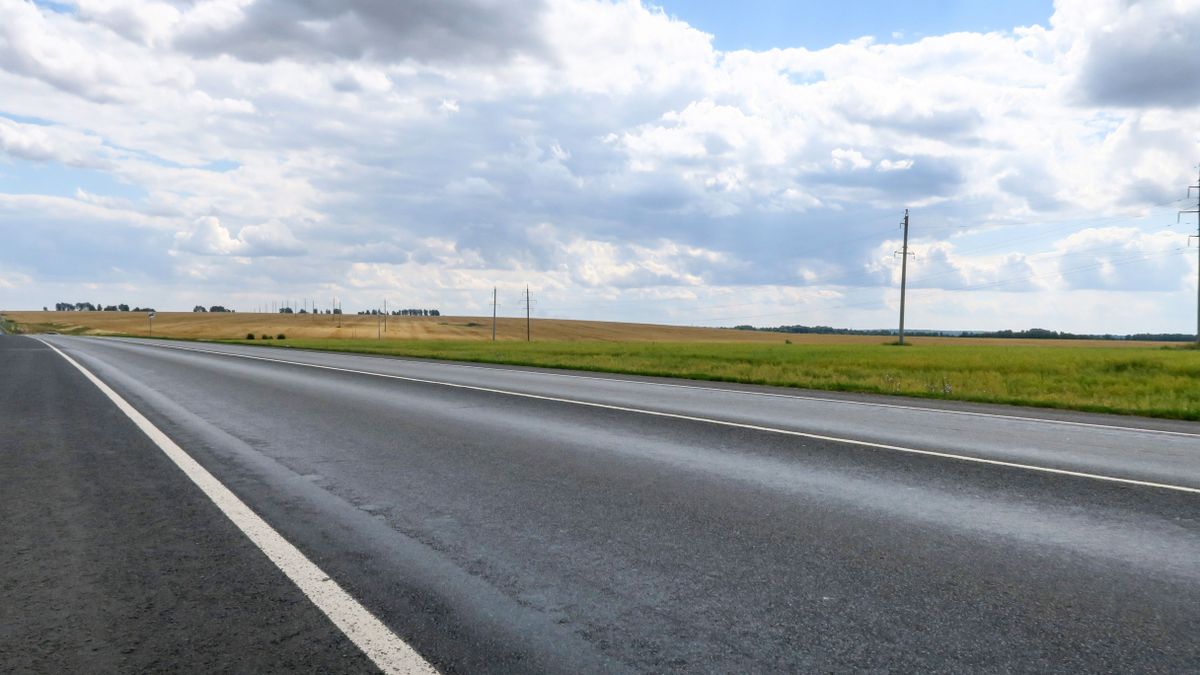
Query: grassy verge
[1156,381]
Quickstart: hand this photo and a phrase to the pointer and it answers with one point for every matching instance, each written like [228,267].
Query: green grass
[1154,381]
[8,325]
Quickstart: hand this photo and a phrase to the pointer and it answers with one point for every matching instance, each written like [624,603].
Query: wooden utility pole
[528,329]
[903,275]
[493,313]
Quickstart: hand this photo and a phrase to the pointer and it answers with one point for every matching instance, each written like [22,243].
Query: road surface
[520,520]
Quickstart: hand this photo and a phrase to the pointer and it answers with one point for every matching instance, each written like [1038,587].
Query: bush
[281,336]
[266,337]
[249,336]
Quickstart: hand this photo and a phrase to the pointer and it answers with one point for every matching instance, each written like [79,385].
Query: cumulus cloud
[41,143]
[50,50]
[1140,54]
[207,236]
[150,23]
[425,30]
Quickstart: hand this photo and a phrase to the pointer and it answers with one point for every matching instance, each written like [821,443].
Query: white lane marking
[380,644]
[726,423]
[741,392]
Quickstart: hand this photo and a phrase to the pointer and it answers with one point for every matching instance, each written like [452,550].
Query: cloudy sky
[689,162]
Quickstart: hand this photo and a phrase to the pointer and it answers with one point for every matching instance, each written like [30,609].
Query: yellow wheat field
[352,326]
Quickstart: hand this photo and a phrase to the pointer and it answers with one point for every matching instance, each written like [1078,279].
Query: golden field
[235,326]
[230,326]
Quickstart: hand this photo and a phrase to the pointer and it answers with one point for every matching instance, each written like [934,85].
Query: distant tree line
[1030,334]
[89,307]
[821,330]
[1043,334]
[403,312]
[98,307]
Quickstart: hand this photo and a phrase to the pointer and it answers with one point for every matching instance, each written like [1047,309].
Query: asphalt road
[518,520]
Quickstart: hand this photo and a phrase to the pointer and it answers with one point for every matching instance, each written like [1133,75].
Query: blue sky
[689,167]
[816,24]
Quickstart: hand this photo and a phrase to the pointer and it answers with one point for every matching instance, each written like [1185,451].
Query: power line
[866,278]
[1001,282]
[923,279]
[1196,211]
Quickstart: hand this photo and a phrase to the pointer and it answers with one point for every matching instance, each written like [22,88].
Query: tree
[110,308]
[199,308]
[122,307]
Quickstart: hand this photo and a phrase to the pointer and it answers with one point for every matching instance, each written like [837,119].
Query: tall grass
[1154,381]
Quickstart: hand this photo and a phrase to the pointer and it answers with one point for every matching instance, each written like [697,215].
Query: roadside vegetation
[8,325]
[1153,381]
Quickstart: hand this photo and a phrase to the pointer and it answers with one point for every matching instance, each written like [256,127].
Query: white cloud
[14,280]
[844,159]
[1135,54]
[207,236]
[150,23]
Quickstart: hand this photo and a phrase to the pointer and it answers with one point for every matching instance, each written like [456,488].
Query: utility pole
[1196,211]
[385,315]
[903,274]
[528,330]
[493,313]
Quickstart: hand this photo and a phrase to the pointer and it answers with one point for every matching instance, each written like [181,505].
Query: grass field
[1148,381]
[1118,377]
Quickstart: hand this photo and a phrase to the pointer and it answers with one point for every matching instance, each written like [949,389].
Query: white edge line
[726,423]
[740,392]
[387,650]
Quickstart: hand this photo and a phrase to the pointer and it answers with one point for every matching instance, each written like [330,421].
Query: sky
[695,163]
